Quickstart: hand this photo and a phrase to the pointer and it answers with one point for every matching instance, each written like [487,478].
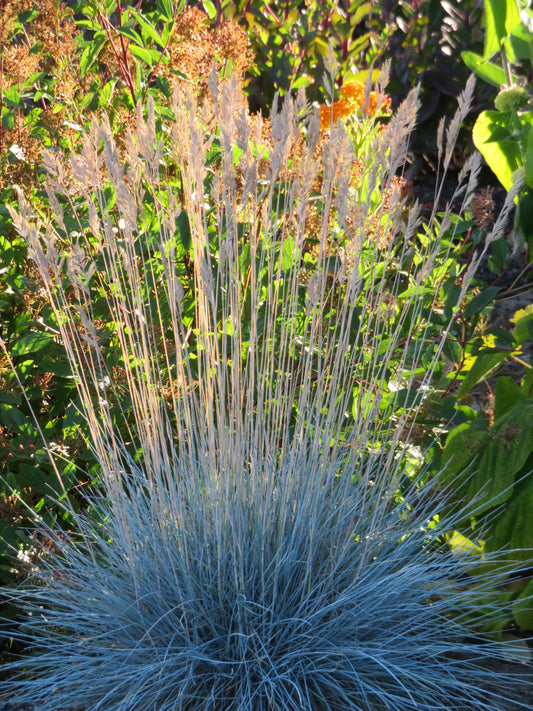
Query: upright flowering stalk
[259,542]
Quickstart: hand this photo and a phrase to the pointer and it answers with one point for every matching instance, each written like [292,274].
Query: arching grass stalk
[249,359]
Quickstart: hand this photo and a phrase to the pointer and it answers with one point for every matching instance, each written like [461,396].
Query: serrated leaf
[507,395]
[512,527]
[482,464]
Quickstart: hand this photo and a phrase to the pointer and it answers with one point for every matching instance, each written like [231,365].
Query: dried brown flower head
[483,208]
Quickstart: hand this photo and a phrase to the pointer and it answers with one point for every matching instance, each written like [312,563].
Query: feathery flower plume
[259,541]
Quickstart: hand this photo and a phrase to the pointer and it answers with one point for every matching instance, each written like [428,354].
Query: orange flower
[353,94]
[373,101]
[354,91]
[331,114]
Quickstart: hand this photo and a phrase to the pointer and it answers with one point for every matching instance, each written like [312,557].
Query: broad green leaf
[302,81]
[91,52]
[184,230]
[147,28]
[149,56]
[485,364]
[502,158]
[501,18]
[507,395]
[361,12]
[210,9]
[11,96]
[522,319]
[8,119]
[522,608]
[522,42]
[130,33]
[525,214]
[482,464]
[480,301]
[363,76]
[11,417]
[166,8]
[485,70]
[512,526]
[31,343]
[529,159]
[501,134]
[29,476]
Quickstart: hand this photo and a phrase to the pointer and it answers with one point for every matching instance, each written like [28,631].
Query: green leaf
[501,134]
[512,526]
[148,56]
[105,93]
[485,70]
[11,417]
[480,301]
[12,97]
[484,365]
[362,11]
[184,230]
[525,214]
[6,251]
[31,343]
[129,32]
[166,8]
[482,464]
[29,476]
[521,40]
[501,18]
[289,254]
[302,81]
[507,395]
[503,158]
[529,159]
[522,319]
[147,28]
[8,119]
[91,52]
[522,608]
[210,9]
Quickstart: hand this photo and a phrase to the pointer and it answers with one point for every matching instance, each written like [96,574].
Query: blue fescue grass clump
[239,600]
[259,542]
